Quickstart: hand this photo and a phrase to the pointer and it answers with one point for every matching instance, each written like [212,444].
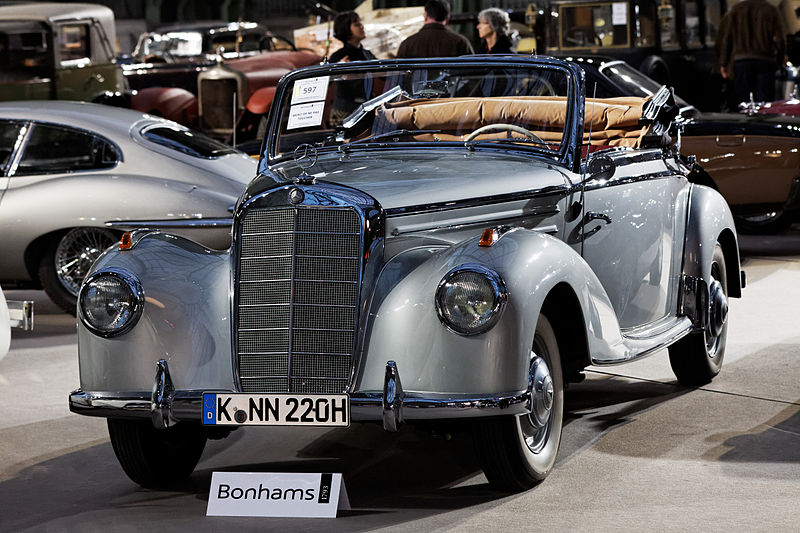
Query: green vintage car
[58,51]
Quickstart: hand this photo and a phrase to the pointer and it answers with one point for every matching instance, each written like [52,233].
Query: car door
[10,140]
[84,71]
[632,228]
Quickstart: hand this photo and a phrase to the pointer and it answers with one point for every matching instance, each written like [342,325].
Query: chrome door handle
[591,215]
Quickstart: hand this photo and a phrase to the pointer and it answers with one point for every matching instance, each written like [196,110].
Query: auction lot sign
[276,495]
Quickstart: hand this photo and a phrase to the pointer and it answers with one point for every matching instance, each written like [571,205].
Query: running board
[639,343]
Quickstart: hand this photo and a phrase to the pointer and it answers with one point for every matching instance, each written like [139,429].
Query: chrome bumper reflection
[366,406]
[166,406]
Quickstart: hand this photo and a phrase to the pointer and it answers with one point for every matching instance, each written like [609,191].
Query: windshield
[179,44]
[635,83]
[24,51]
[523,106]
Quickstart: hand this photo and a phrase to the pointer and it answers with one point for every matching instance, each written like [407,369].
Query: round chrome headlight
[470,298]
[110,302]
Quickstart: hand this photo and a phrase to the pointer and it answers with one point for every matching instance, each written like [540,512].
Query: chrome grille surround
[299,287]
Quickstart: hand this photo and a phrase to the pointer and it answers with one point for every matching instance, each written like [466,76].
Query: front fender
[404,326]
[185,320]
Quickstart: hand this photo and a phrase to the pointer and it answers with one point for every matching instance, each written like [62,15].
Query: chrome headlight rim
[500,295]
[134,286]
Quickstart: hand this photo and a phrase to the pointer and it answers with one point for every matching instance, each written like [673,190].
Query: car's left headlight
[470,298]
[110,302]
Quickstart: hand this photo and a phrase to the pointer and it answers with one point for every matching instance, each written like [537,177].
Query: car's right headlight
[470,298]
[110,302]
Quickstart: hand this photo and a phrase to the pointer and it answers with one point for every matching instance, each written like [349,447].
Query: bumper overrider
[166,406]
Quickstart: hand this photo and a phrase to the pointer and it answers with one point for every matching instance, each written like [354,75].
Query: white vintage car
[425,240]
[13,314]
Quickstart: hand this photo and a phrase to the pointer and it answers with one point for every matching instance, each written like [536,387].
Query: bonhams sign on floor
[276,494]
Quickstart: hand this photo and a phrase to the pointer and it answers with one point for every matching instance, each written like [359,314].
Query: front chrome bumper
[166,406]
[20,313]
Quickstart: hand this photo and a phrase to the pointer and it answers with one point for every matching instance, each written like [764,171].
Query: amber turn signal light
[126,242]
[488,237]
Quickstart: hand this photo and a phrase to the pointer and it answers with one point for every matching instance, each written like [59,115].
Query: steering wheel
[506,127]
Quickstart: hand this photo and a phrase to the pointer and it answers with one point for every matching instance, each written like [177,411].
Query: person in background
[494,27]
[347,27]
[750,47]
[434,39]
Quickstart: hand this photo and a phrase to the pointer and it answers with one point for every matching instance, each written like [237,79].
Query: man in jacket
[751,45]
[434,39]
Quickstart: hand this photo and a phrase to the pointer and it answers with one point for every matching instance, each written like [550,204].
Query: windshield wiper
[469,145]
[370,105]
[394,133]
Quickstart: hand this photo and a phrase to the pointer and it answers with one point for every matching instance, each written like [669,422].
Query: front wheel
[697,358]
[66,262]
[516,453]
[156,458]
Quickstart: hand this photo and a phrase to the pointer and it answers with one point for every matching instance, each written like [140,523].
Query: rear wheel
[153,457]
[516,453]
[697,358]
[66,262]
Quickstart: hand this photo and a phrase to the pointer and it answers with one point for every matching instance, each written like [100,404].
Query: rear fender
[404,325]
[710,221]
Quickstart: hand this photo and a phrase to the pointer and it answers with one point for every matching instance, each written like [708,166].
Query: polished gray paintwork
[152,182]
[604,254]
[5,326]
[635,259]
[404,179]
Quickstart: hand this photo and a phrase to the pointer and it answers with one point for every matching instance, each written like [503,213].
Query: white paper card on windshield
[619,14]
[310,90]
[304,115]
[282,494]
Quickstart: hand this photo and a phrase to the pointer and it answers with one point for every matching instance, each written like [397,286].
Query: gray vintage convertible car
[425,240]
[69,168]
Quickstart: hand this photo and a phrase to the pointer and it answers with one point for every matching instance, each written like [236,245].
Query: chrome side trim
[21,314]
[562,190]
[187,405]
[171,223]
[494,218]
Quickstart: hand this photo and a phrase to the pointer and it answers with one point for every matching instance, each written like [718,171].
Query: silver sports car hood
[401,179]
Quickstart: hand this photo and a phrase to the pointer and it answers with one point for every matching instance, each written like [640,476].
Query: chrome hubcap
[719,308]
[535,426]
[541,393]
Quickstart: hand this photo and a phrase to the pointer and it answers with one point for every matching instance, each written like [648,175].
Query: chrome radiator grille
[298,286]
[218,103]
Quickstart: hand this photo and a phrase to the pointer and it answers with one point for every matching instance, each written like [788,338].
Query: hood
[741,124]
[400,179]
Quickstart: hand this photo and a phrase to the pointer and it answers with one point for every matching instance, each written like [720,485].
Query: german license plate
[276,409]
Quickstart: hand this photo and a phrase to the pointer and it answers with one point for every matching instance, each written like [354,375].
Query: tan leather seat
[613,121]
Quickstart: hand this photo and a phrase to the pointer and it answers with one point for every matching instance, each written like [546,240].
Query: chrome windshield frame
[567,156]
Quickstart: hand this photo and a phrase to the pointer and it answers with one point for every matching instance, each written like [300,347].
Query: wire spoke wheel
[76,253]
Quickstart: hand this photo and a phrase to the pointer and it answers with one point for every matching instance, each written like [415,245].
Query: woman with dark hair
[494,27]
[347,27]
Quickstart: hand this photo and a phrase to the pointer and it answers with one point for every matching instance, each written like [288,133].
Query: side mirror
[601,167]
